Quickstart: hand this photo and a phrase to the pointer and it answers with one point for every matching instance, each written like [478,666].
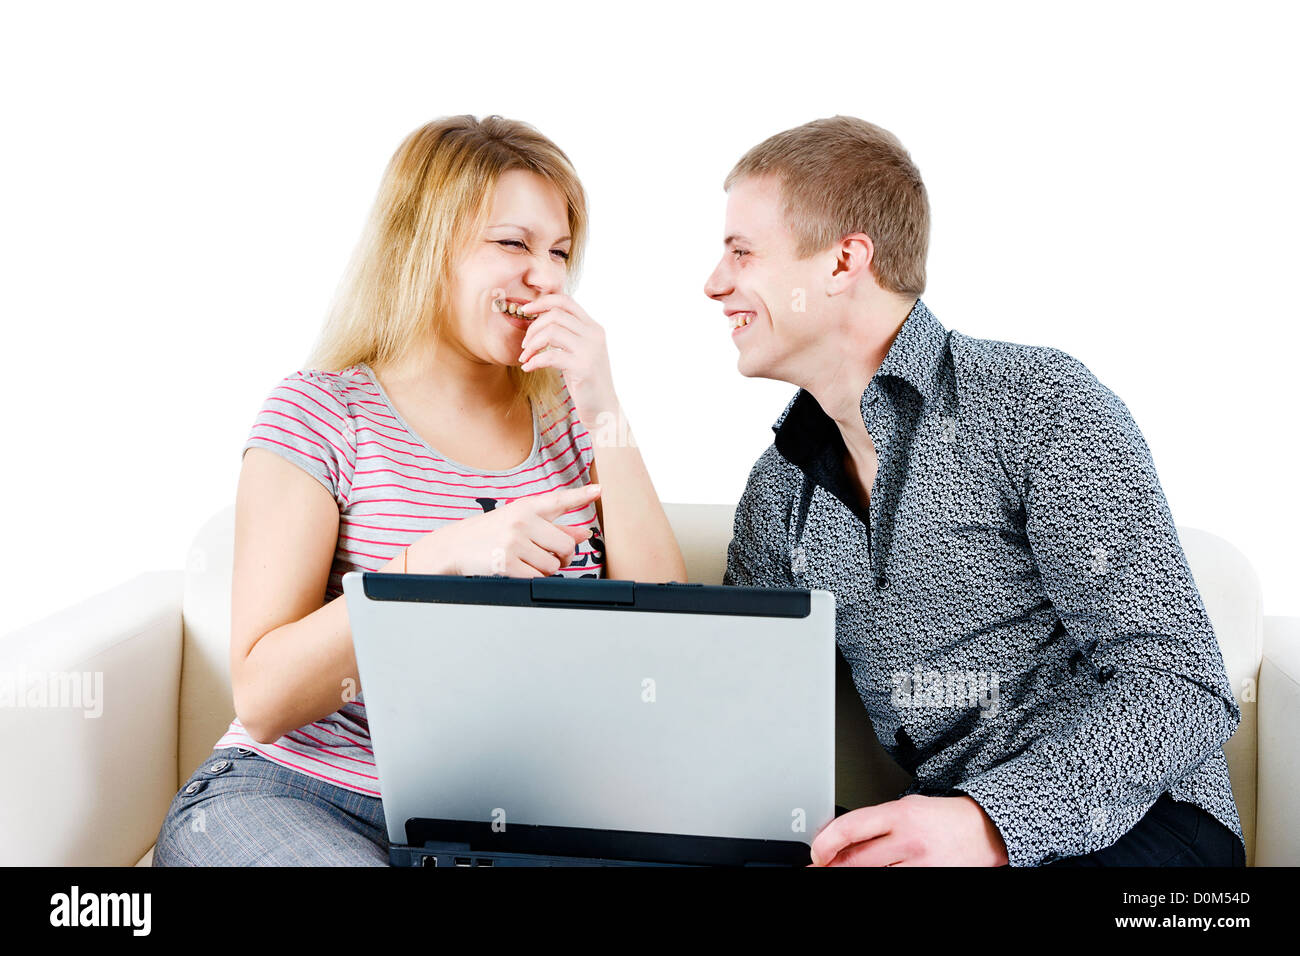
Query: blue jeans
[240,809]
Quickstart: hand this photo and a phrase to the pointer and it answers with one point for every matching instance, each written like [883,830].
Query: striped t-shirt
[391,488]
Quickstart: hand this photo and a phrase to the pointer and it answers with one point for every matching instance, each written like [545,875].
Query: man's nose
[718,284]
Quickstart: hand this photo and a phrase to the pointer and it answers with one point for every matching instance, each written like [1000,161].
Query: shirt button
[194,788]
[882,582]
[219,766]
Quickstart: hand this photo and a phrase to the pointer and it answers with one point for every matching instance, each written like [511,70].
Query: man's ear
[852,257]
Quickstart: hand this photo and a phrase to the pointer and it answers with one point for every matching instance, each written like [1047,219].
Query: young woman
[453,420]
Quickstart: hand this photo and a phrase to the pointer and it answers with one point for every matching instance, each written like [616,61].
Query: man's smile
[740,319]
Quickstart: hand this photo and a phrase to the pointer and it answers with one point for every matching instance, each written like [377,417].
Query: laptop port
[464,861]
[482,862]
[428,861]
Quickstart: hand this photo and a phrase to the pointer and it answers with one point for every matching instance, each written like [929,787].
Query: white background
[182,185]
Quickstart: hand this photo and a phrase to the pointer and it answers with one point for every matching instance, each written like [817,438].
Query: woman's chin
[507,355]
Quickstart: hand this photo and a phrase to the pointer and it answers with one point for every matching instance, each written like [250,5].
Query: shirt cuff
[1032,813]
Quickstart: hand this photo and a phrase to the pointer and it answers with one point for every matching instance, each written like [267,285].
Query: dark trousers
[1171,833]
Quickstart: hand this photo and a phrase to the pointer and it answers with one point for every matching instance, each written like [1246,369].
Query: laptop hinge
[594,591]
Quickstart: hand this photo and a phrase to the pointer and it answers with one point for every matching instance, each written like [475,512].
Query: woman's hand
[577,349]
[639,541]
[523,539]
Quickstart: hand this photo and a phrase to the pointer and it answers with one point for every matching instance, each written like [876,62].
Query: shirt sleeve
[1113,567]
[756,556]
[305,421]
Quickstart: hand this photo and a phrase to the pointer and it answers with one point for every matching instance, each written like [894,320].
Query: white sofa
[94,790]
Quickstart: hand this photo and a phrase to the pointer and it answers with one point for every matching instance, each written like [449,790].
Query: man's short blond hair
[843,175]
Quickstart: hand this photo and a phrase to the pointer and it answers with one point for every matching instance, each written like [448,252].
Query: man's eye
[739,252]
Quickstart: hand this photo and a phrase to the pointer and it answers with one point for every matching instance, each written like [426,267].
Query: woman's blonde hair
[434,196]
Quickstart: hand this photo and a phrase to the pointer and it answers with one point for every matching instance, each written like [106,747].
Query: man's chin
[753,369]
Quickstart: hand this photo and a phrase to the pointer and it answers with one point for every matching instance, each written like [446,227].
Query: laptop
[581,721]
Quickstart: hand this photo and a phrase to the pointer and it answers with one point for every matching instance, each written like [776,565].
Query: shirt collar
[915,357]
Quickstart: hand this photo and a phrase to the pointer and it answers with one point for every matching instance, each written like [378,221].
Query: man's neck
[851,361]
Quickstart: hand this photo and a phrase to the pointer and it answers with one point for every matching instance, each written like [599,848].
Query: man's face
[773,301]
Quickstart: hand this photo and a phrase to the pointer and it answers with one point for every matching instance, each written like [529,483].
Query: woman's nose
[546,277]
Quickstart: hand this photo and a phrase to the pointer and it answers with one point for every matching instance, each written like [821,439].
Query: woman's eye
[517,244]
[739,252]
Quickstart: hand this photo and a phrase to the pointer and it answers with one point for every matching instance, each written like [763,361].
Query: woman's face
[522,253]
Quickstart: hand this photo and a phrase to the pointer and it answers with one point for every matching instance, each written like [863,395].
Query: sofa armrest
[89,715]
[1277,808]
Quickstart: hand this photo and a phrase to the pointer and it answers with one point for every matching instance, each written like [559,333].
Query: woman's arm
[291,657]
[639,542]
[292,660]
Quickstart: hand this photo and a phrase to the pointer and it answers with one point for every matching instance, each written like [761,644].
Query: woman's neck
[445,375]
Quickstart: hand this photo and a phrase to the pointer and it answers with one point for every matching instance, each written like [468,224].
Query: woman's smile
[507,307]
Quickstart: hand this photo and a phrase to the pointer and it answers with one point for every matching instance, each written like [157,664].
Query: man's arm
[757,555]
[1112,565]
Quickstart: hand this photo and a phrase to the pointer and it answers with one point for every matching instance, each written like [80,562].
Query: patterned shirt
[1014,601]
[391,488]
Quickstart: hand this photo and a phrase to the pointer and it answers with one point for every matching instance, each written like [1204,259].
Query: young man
[987,515]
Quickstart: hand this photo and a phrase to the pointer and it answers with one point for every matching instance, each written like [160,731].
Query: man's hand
[912,831]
